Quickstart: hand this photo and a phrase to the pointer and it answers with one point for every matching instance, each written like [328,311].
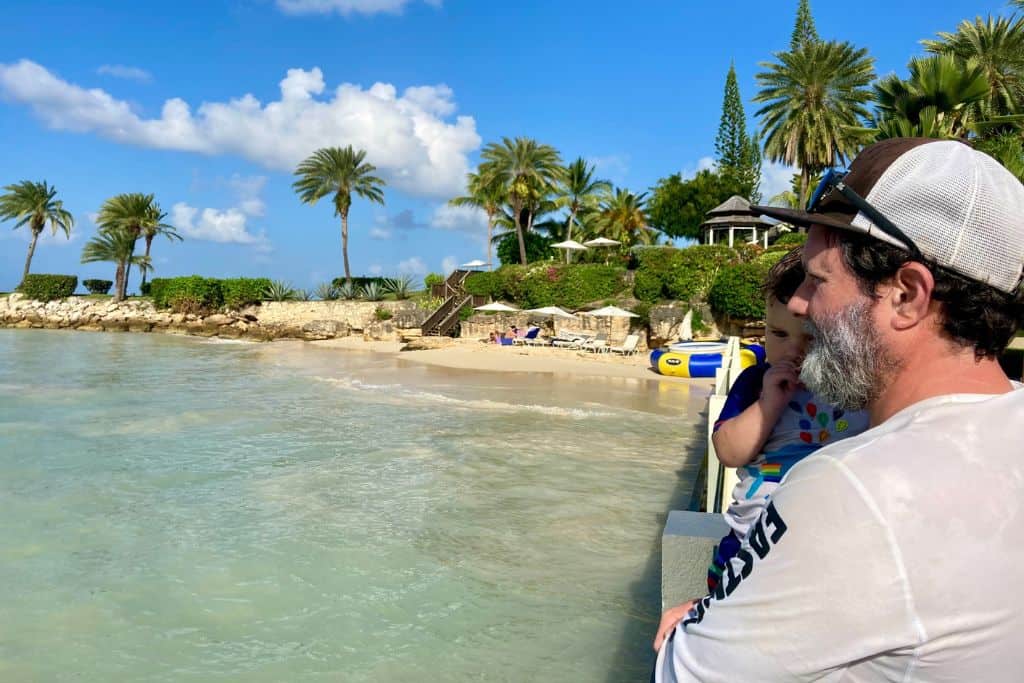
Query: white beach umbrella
[554,311]
[476,263]
[496,307]
[612,312]
[601,242]
[571,245]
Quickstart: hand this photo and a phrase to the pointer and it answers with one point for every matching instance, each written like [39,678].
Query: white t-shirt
[895,555]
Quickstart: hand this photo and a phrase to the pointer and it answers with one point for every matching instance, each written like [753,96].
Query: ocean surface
[176,509]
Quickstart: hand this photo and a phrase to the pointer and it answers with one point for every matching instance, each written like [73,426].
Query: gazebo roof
[734,212]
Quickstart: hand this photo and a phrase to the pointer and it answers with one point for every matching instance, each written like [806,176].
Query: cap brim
[803,219]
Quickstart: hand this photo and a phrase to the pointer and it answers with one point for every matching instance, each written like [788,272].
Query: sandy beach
[473,355]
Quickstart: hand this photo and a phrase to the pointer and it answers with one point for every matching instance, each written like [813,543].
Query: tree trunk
[517,208]
[31,251]
[805,180]
[128,271]
[149,243]
[568,235]
[344,246]
[119,281]
[490,231]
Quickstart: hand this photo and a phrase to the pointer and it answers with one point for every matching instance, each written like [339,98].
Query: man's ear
[910,295]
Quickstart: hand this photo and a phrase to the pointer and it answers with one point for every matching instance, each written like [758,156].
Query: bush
[538,248]
[548,284]
[145,288]
[240,292]
[433,279]
[359,281]
[682,274]
[48,287]
[483,284]
[100,286]
[383,313]
[737,293]
[192,294]
[372,291]
[791,239]
[279,290]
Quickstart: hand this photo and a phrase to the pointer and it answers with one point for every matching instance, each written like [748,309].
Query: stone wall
[310,320]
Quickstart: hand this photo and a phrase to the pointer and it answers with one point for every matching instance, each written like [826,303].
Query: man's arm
[816,587]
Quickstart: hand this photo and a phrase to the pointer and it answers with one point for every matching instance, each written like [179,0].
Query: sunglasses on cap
[832,182]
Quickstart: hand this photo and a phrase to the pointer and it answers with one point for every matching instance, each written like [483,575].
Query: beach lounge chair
[505,341]
[628,347]
[530,335]
[598,344]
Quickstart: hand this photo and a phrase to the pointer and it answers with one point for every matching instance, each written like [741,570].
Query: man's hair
[973,314]
[784,277]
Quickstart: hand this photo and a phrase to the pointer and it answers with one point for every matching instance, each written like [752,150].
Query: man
[896,555]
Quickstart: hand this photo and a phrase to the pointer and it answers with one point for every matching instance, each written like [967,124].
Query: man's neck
[929,372]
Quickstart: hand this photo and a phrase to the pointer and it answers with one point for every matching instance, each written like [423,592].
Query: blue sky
[210,104]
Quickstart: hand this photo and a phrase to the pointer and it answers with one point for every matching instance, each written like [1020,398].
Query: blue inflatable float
[699,359]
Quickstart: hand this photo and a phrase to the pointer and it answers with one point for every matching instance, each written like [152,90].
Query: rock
[218,319]
[324,329]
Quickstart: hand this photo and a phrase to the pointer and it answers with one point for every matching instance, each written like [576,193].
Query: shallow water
[178,510]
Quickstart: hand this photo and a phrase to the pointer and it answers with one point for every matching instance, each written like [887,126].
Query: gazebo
[731,215]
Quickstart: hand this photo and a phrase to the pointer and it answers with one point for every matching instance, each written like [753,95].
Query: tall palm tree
[340,171]
[813,97]
[579,191]
[154,226]
[485,195]
[527,170]
[997,45]
[624,218]
[129,213]
[35,205]
[116,245]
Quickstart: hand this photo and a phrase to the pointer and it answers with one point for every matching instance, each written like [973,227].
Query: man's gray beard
[847,363]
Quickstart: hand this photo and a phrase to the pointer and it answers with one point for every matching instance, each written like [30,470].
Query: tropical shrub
[346,290]
[145,288]
[359,281]
[99,286]
[190,294]
[279,290]
[483,284]
[325,291]
[791,239]
[433,279]
[48,287]
[737,291]
[382,313]
[239,292]
[303,295]
[399,286]
[682,274]
[548,284]
[371,291]
[538,248]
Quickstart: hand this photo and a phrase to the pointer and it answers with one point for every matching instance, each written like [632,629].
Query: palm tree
[624,218]
[527,170]
[488,196]
[579,191]
[813,97]
[154,226]
[118,246]
[940,99]
[35,205]
[341,171]
[129,213]
[997,45]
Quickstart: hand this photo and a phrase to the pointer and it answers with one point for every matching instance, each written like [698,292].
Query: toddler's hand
[780,382]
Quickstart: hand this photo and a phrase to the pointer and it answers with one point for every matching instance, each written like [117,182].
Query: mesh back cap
[964,210]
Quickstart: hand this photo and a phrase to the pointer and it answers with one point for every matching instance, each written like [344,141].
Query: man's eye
[781,334]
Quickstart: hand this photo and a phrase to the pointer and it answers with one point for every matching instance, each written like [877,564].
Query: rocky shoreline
[308,320]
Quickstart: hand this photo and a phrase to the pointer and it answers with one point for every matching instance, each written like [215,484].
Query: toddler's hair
[785,277]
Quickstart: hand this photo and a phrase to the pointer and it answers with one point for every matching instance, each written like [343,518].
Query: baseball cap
[960,207]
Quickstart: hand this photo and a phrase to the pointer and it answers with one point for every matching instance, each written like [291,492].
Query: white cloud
[409,137]
[775,178]
[448,264]
[248,190]
[613,167]
[375,269]
[703,164]
[463,218]
[131,73]
[227,226]
[412,266]
[347,7]
[377,233]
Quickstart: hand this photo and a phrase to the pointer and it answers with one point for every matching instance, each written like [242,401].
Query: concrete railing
[689,539]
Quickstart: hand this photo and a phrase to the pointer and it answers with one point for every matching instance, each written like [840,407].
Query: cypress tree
[804,31]
[739,157]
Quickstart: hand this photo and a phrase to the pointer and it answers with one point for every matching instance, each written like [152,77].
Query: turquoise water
[173,509]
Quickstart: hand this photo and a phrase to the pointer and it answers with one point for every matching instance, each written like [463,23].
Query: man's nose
[797,304]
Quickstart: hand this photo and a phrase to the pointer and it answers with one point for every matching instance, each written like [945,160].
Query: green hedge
[549,284]
[737,291]
[791,239]
[432,279]
[359,281]
[98,286]
[240,292]
[681,274]
[48,287]
[187,294]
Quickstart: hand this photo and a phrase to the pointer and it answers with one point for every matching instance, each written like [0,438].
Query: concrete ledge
[687,547]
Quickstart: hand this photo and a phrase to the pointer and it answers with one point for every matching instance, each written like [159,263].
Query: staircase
[444,320]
